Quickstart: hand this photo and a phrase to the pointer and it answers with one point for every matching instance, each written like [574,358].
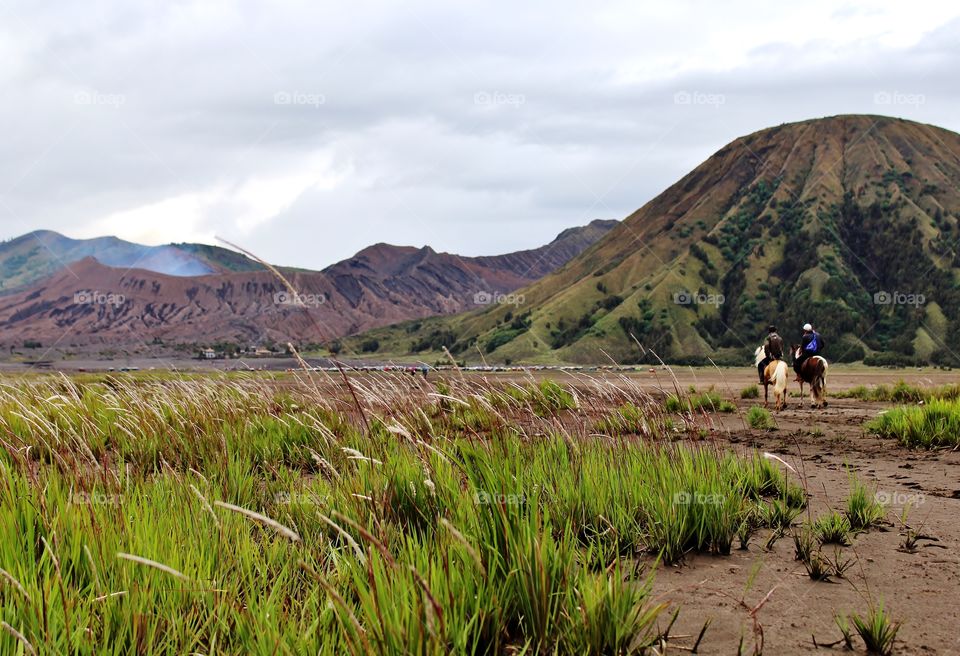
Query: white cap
[807,327]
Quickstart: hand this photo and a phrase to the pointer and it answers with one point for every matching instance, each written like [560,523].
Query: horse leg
[766,394]
[801,394]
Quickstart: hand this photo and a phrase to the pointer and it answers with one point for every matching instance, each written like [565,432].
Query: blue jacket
[812,343]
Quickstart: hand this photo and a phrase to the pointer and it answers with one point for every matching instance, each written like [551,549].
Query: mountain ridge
[782,225]
[90,303]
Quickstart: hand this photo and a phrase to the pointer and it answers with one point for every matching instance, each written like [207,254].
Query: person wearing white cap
[810,345]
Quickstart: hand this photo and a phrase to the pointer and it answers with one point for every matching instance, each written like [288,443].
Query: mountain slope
[91,303]
[30,257]
[822,221]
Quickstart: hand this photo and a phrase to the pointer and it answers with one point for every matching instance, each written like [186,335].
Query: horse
[814,372]
[775,373]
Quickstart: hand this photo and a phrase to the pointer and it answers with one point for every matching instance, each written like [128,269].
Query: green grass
[709,401]
[235,515]
[833,528]
[935,424]
[863,509]
[877,630]
[750,392]
[760,418]
[899,392]
[632,419]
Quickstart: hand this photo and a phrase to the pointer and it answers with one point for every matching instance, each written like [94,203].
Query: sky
[305,131]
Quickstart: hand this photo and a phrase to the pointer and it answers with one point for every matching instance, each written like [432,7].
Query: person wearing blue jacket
[810,345]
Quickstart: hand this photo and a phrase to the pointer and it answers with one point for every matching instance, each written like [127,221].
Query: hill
[848,222]
[89,303]
[35,255]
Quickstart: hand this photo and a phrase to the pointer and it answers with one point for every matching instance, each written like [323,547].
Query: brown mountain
[849,222]
[88,303]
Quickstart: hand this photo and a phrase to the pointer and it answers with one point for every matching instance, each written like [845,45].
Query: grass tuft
[935,424]
[760,418]
[750,392]
[877,630]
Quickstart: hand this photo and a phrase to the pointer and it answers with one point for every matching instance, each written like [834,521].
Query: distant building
[209,354]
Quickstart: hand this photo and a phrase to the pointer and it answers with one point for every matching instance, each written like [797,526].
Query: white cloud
[474,128]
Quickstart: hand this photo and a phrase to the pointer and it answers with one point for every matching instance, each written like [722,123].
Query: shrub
[750,392]
[760,418]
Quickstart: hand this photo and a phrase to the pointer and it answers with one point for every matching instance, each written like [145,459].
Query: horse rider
[772,350]
[810,345]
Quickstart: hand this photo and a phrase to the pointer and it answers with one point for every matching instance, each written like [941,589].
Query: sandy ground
[920,589]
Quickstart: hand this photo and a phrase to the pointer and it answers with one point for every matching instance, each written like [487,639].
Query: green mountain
[847,222]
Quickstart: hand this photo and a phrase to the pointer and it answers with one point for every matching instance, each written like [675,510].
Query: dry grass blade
[346,536]
[206,504]
[461,538]
[146,562]
[262,519]
[366,535]
[20,637]
[15,583]
[338,600]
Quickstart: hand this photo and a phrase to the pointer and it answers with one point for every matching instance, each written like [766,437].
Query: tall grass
[247,515]
[900,392]
[934,424]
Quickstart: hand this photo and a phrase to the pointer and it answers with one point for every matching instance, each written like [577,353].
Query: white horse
[774,374]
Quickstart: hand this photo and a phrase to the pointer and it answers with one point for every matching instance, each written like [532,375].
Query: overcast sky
[306,131]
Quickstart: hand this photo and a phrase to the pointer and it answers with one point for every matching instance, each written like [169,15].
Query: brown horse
[814,372]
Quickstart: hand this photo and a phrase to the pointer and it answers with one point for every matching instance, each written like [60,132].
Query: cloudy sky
[306,131]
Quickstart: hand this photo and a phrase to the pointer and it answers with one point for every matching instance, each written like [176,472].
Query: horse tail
[819,383]
[780,377]
[780,384]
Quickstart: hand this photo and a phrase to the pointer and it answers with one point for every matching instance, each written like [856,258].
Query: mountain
[89,303]
[33,256]
[847,222]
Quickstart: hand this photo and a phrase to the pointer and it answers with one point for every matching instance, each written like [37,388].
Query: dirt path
[920,589]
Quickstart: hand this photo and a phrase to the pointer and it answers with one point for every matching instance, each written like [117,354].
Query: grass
[241,515]
[750,392]
[708,401]
[760,418]
[935,424]
[833,528]
[900,392]
[634,420]
[877,630]
[863,509]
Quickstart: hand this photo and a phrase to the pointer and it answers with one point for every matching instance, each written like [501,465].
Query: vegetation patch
[934,424]
[760,418]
